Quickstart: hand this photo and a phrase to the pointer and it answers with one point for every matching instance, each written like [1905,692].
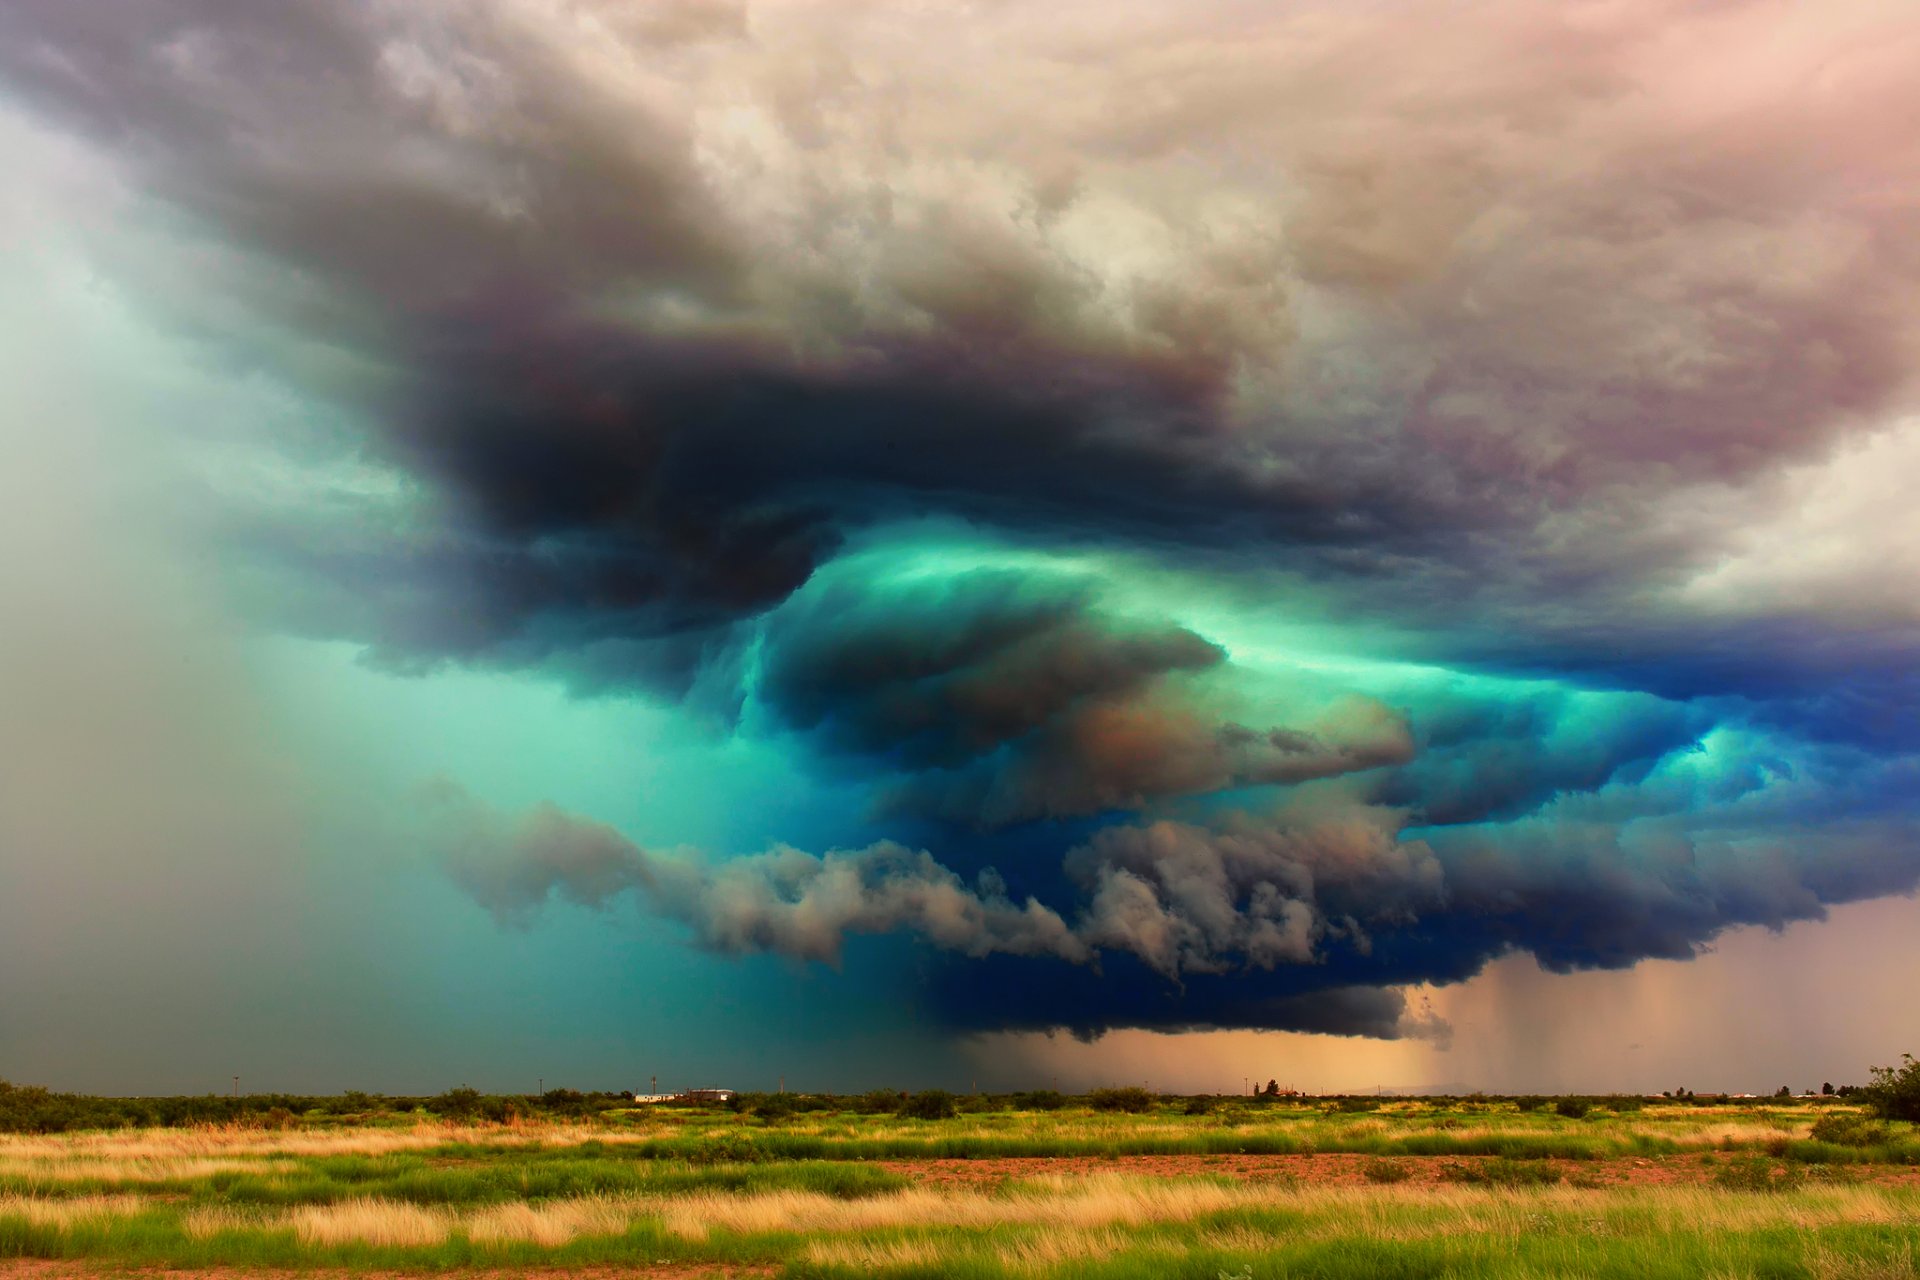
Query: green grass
[1459,1190]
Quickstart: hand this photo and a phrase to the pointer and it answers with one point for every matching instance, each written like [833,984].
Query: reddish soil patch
[38,1269]
[1343,1170]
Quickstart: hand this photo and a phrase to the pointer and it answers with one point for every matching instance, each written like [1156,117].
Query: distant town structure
[688,1095]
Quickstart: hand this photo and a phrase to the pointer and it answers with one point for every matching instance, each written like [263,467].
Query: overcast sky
[585,539]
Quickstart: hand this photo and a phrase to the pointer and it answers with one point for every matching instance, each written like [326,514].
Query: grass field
[1461,1188]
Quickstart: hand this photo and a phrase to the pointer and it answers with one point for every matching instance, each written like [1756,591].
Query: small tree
[929,1104]
[1895,1091]
[458,1104]
[1129,1098]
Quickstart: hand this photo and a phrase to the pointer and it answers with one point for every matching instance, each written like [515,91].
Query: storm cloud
[1000,697]
[659,357]
[1315,498]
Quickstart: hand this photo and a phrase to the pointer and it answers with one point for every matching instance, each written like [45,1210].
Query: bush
[1847,1130]
[1758,1174]
[1197,1106]
[1040,1100]
[929,1104]
[1386,1171]
[1895,1091]
[1571,1108]
[773,1106]
[1131,1098]
[456,1104]
[1503,1172]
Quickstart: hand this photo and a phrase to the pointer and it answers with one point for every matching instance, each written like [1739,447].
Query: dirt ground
[38,1269]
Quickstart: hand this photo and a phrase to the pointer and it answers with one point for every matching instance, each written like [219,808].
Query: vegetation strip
[1178,1187]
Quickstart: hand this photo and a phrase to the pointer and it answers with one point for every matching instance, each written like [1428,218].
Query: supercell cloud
[1268,506]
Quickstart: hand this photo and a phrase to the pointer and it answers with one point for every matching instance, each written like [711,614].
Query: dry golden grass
[51,1171]
[231,1141]
[1043,1250]
[875,1255]
[64,1213]
[1827,1264]
[211,1220]
[1066,1202]
[554,1222]
[1050,1246]
[370,1221]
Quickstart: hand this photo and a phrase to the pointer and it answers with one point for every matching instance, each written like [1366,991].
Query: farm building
[688,1095]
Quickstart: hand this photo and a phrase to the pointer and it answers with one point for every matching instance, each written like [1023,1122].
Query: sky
[963,544]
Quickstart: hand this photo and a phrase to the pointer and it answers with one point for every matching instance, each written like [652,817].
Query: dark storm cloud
[1496,333]
[998,696]
[1259,915]
[805,907]
[800,905]
[1310,917]
[1498,757]
[658,366]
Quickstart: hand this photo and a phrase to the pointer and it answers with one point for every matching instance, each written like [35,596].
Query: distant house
[688,1095]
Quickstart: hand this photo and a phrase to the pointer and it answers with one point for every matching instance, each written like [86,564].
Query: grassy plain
[1406,1189]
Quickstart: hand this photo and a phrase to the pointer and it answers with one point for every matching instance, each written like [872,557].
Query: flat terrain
[1408,1189]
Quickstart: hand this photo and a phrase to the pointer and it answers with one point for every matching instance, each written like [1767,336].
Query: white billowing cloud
[1187,899]
[1827,539]
[1183,899]
[783,901]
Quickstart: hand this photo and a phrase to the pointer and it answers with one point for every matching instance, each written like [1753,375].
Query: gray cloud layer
[660,309]
[784,901]
[1498,324]
[1002,696]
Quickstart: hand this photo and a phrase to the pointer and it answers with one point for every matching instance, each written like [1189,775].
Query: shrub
[1131,1098]
[1571,1108]
[929,1104]
[1895,1091]
[1386,1171]
[457,1104]
[1040,1100]
[1197,1106]
[564,1102]
[1847,1130]
[774,1106]
[1758,1174]
[726,1148]
[1503,1172]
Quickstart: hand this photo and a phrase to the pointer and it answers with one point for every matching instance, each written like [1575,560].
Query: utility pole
[656,1085]
[236,1086]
